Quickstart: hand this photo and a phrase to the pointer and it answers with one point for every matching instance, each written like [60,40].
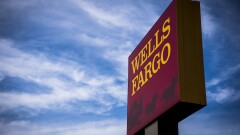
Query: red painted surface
[161,91]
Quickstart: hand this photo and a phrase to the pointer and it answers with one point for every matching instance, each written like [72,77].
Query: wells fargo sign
[165,72]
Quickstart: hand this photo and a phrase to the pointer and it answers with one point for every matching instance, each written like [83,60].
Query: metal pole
[158,128]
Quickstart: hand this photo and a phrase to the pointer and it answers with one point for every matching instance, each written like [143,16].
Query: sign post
[156,128]
[165,72]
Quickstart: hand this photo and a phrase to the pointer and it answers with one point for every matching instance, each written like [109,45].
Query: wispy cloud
[224,95]
[17,63]
[102,16]
[223,88]
[226,74]
[94,41]
[126,17]
[67,80]
[119,56]
[105,127]
[208,25]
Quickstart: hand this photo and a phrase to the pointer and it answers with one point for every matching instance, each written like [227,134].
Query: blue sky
[63,65]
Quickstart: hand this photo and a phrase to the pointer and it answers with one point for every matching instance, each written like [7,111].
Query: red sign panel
[153,85]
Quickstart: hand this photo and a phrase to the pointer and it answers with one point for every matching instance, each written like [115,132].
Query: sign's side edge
[191,74]
[199,53]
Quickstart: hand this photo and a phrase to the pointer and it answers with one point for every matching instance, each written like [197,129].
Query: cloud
[1,76]
[67,80]
[208,24]
[119,56]
[124,16]
[15,62]
[103,17]
[94,41]
[214,82]
[105,127]
[225,87]
[224,95]
[226,74]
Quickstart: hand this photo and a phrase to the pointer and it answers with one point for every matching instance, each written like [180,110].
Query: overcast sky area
[63,65]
